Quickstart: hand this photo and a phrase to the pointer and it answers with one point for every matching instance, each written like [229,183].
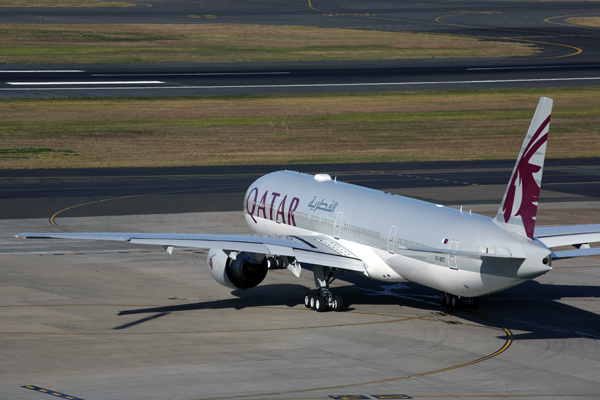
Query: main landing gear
[322,299]
[452,301]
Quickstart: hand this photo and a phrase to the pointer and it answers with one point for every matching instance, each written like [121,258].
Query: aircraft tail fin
[518,209]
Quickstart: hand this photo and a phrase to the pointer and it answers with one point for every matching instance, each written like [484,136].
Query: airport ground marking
[577,49]
[53,217]
[51,392]
[564,23]
[66,83]
[38,71]
[427,178]
[196,74]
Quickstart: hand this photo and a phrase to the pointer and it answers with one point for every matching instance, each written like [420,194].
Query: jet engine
[237,270]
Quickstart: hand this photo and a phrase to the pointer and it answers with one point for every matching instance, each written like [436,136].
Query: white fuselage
[382,228]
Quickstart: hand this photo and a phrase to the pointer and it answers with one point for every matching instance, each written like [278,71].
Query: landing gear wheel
[338,303]
[448,299]
[443,298]
[454,301]
[473,302]
[307,298]
[324,301]
[312,301]
[320,303]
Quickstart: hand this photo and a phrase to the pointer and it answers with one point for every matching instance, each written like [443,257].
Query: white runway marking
[530,67]
[39,71]
[201,74]
[83,83]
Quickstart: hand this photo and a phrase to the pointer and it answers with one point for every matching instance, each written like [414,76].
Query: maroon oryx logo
[523,179]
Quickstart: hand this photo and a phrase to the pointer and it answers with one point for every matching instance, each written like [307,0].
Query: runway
[86,320]
[284,78]
[570,55]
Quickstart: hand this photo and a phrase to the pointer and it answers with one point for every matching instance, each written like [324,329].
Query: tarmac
[104,320]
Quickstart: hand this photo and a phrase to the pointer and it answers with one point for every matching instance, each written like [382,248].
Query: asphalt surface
[98,192]
[571,54]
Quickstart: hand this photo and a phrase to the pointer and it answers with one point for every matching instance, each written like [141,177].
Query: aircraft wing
[579,236]
[306,249]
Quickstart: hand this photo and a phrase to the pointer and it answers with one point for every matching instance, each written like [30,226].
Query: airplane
[331,227]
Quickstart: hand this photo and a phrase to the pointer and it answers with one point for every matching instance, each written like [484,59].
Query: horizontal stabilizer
[561,255]
[555,236]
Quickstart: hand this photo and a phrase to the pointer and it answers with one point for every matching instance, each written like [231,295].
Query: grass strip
[592,22]
[131,43]
[277,129]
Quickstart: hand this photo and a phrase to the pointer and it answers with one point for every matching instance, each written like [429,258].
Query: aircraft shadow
[538,311]
[534,310]
[289,295]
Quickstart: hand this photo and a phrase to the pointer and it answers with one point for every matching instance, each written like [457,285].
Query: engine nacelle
[243,272]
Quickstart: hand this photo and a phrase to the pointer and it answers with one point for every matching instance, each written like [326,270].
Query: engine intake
[243,272]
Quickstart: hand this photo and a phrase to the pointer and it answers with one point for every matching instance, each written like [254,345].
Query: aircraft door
[391,238]
[337,225]
[451,257]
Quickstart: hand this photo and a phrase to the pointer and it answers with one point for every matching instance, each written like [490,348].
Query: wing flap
[334,261]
